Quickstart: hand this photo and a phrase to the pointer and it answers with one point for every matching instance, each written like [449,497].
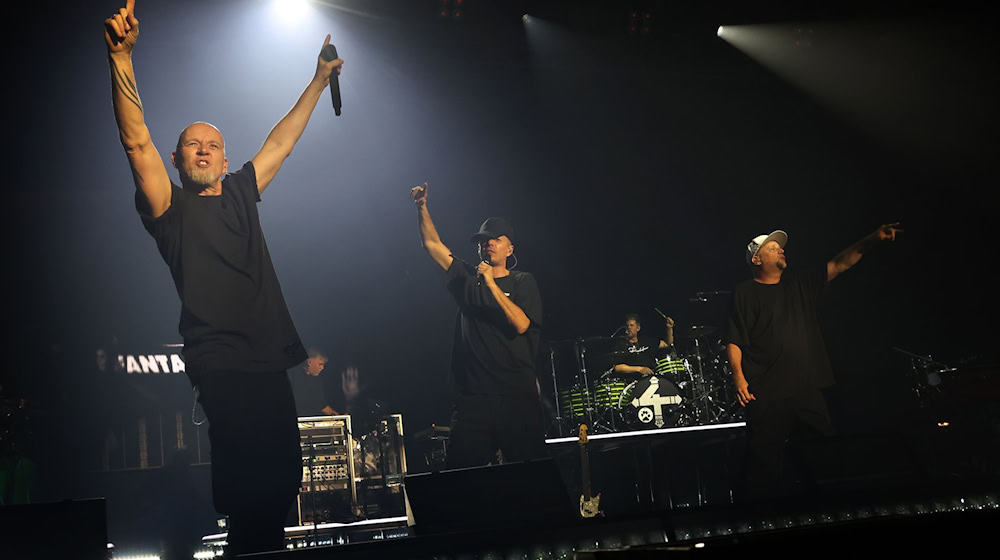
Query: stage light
[290,11]
[640,22]
[524,18]
[454,9]
[719,32]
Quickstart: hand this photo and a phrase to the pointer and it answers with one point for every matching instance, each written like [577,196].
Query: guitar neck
[585,470]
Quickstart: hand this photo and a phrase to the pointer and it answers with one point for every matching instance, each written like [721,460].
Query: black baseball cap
[492,228]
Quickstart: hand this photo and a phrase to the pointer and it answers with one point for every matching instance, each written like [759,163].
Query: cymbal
[707,296]
[594,339]
[694,331]
[582,339]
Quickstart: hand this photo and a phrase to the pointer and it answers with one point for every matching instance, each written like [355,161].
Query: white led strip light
[651,432]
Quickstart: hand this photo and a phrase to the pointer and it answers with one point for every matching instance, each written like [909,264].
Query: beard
[201,177]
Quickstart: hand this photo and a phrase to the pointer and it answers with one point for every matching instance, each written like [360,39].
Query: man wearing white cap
[776,351]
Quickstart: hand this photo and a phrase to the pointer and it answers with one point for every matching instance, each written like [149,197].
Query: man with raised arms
[239,339]
[496,406]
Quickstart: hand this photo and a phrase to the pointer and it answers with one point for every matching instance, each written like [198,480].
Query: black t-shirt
[233,315]
[309,391]
[488,356]
[642,353]
[777,329]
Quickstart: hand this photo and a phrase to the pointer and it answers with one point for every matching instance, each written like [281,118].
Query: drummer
[638,352]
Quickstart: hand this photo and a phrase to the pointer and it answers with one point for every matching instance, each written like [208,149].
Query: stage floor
[669,490]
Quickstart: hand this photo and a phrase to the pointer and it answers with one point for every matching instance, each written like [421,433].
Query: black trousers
[481,425]
[256,458]
[770,423]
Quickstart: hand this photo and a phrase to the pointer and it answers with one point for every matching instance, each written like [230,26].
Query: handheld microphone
[329,53]
[484,257]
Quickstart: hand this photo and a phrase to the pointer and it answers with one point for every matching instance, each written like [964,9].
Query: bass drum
[651,402]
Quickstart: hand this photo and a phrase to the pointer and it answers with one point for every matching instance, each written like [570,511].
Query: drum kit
[690,385]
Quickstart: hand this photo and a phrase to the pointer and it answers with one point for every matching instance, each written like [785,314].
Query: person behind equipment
[638,352]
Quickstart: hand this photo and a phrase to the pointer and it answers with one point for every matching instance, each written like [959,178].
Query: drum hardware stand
[926,373]
[698,382]
[611,409]
[555,391]
[706,410]
[588,401]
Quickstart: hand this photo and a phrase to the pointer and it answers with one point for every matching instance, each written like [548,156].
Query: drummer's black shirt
[642,353]
[488,356]
[776,327]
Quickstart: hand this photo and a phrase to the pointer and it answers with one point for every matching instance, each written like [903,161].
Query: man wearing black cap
[496,341]
[776,351]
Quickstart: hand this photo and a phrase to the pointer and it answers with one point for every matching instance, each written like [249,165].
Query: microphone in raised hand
[329,53]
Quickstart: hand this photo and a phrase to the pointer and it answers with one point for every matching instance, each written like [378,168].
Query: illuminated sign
[151,363]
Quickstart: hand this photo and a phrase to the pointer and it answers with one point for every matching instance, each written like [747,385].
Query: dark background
[635,166]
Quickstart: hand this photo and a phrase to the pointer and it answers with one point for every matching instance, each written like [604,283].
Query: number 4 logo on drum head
[650,397]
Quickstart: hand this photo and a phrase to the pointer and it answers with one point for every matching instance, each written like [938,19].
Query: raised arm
[121,31]
[668,323]
[851,255]
[286,133]
[428,234]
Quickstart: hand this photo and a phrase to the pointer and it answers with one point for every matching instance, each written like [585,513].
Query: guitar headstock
[583,434]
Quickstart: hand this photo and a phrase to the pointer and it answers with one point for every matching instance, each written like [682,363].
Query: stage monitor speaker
[70,529]
[488,497]
[856,462]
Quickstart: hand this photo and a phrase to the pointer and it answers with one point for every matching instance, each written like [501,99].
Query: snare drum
[671,365]
[650,402]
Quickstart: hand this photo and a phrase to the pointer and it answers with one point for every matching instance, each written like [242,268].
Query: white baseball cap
[757,242]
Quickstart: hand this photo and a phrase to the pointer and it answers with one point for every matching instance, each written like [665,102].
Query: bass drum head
[649,403]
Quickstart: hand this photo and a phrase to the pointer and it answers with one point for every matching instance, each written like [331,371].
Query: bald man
[239,339]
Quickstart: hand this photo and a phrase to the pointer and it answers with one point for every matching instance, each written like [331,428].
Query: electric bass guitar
[590,506]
